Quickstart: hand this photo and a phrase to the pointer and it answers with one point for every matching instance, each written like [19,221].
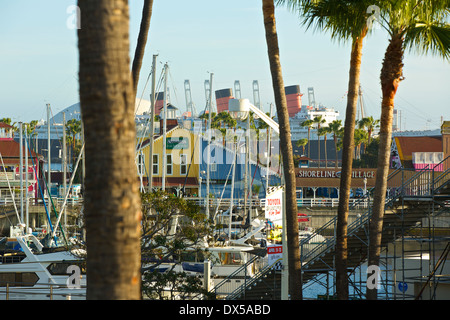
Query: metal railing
[250,282]
[422,183]
[226,286]
[425,182]
[19,291]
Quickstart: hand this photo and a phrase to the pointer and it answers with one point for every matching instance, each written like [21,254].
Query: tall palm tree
[112,204]
[302,143]
[345,20]
[141,42]
[317,121]
[308,124]
[335,127]
[361,138]
[415,24]
[292,232]
[322,132]
[369,124]
[73,128]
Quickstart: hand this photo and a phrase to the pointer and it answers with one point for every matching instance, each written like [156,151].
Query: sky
[39,59]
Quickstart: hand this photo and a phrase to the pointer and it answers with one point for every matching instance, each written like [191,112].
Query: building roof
[5,125]
[407,145]
[10,152]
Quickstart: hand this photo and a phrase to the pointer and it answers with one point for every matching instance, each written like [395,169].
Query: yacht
[30,271]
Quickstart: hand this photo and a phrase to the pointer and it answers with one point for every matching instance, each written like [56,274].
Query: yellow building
[180,171]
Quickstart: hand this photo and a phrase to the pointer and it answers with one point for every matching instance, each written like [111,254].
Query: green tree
[335,127]
[324,131]
[73,129]
[361,138]
[370,124]
[173,230]
[317,121]
[292,232]
[302,143]
[308,124]
[420,25]
[112,204]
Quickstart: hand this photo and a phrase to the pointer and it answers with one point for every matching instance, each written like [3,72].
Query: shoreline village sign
[313,173]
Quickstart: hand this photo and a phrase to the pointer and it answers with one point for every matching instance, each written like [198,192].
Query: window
[169,164]
[141,164]
[183,164]
[155,164]
[22,279]
[60,268]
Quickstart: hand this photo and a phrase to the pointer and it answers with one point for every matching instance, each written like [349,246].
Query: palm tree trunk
[112,202]
[309,142]
[336,150]
[318,145]
[141,42]
[295,282]
[391,75]
[346,172]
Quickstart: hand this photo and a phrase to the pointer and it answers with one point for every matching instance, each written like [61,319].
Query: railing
[9,201]
[241,290]
[19,291]
[301,202]
[423,183]
[225,287]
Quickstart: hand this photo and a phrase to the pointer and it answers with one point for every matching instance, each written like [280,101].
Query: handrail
[319,249]
[236,293]
[353,227]
[234,273]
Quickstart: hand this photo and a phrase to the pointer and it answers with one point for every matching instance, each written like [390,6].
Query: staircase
[426,190]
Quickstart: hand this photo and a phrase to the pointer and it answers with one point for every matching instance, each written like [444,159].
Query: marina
[242,251]
[246,157]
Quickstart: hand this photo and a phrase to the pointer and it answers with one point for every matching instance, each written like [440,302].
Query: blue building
[221,171]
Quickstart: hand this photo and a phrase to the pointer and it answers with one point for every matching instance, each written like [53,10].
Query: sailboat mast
[64,166]
[209,145]
[269,133]
[166,67]
[49,179]
[26,179]
[152,121]
[21,169]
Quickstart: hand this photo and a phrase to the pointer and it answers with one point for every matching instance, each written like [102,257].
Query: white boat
[29,271]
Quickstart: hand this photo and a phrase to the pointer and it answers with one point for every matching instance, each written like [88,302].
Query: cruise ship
[309,113]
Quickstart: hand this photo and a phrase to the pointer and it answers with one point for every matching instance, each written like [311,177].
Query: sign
[274,206]
[311,173]
[275,253]
[177,143]
[402,286]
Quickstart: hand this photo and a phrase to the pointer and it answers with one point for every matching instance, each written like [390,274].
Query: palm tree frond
[429,38]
